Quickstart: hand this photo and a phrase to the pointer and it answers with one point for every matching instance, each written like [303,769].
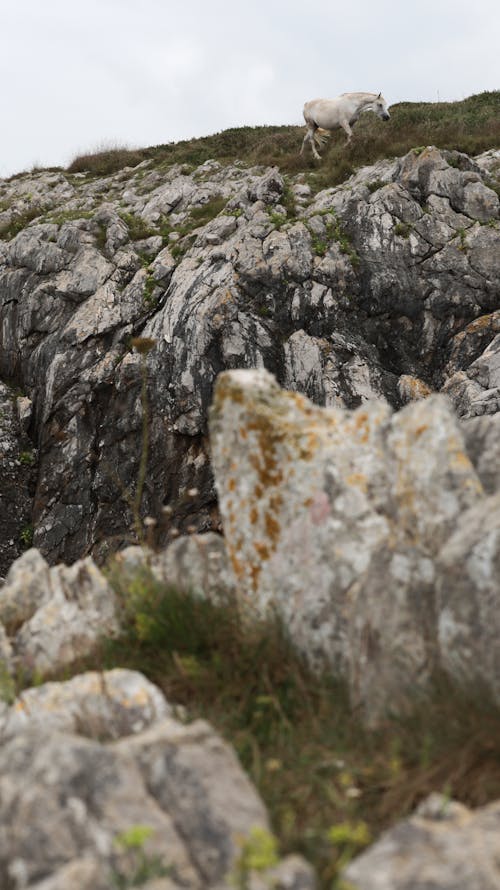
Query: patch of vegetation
[461,235]
[26,536]
[64,216]
[105,161]
[333,232]
[277,219]
[138,229]
[208,211]
[19,222]
[27,458]
[375,185]
[137,867]
[331,785]
[402,229]
[259,851]
[149,299]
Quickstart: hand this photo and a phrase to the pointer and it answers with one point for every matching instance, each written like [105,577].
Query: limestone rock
[444,846]
[196,563]
[349,296]
[54,616]
[468,587]
[340,519]
[18,468]
[100,705]
[68,804]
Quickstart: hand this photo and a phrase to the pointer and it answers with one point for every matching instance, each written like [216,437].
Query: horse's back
[323,112]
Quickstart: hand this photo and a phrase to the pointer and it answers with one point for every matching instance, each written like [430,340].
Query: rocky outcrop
[17,460]
[100,786]
[53,616]
[368,530]
[444,845]
[387,285]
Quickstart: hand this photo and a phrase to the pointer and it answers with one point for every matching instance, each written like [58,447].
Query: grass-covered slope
[471,126]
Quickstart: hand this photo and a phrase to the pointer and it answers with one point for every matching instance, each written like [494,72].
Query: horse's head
[379,106]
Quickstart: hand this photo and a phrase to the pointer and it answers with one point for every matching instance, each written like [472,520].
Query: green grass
[331,785]
[471,125]
[19,222]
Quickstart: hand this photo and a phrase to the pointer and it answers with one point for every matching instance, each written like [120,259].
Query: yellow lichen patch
[231,484]
[460,461]
[361,425]
[254,515]
[272,528]
[262,550]
[359,480]
[421,429]
[254,574]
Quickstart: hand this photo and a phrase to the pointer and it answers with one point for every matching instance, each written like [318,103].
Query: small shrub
[137,867]
[27,458]
[402,229]
[138,229]
[259,852]
[26,536]
[375,185]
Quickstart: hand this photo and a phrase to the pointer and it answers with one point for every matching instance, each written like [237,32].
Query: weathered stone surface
[55,615]
[99,705]
[17,477]
[342,520]
[66,800]
[468,591]
[360,290]
[482,440]
[198,563]
[444,846]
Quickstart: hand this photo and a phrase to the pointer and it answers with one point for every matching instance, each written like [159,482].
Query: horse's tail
[321,136]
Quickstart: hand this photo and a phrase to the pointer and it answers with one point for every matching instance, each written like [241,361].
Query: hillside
[280,383]
[470,126]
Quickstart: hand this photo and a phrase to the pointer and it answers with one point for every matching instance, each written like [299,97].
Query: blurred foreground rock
[79,811]
[53,616]
[369,531]
[444,846]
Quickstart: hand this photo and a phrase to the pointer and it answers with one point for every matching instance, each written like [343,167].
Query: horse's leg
[309,137]
[312,138]
[345,126]
[305,139]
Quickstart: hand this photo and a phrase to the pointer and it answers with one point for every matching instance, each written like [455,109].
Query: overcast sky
[76,76]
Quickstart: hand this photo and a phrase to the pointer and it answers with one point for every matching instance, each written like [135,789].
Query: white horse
[330,114]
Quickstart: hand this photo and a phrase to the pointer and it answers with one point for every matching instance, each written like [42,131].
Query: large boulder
[443,846]
[369,532]
[165,801]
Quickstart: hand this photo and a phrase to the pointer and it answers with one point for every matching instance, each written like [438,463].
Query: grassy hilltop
[471,126]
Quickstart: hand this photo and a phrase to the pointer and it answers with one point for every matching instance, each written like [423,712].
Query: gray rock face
[368,530]
[387,285]
[72,803]
[17,478]
[444,845]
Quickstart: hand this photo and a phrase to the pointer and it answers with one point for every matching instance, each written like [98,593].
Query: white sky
[77,75]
